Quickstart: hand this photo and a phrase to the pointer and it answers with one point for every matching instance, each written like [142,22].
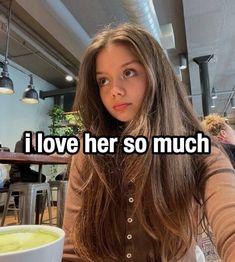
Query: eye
[129,73]
[102,81]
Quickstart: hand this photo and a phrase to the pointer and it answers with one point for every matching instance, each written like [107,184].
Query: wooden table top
[39,159]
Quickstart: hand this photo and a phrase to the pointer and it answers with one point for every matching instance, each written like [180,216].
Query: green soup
[17,240]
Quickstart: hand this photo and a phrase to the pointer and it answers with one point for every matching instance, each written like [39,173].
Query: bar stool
[4,190]
[28,192]
[61,187]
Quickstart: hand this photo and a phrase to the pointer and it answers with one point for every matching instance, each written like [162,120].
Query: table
[37,159]
[21,158]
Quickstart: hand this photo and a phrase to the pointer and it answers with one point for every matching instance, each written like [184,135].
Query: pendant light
[6,84]
[232,101]
[212,103]
[183,61]
[213,93]
[30,95]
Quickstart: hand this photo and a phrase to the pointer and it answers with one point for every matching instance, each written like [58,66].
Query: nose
[118,88]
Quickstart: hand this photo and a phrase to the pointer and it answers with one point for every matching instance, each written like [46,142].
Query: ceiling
[48,37]
[210,31]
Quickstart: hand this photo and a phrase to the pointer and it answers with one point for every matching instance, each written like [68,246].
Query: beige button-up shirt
[220,210]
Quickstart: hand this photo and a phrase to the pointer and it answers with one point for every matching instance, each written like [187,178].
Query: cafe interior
[41,46]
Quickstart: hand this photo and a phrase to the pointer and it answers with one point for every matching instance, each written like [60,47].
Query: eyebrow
[123,65]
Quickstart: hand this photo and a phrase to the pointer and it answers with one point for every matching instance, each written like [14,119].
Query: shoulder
[218,154]
[213,164]
[216,164]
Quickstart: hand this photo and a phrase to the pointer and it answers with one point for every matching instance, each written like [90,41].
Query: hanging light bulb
[213,93]
[6,84]
[69,78]
[183,61]
[30,95]
[212,103]
[232,101]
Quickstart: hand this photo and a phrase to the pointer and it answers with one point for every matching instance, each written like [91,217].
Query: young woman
[142,207]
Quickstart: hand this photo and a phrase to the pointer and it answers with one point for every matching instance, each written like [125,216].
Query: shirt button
[132,180]
[129,236]
[131,199]
[128,255]
[129,220]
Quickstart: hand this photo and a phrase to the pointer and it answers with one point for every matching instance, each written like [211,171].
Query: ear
[221,136]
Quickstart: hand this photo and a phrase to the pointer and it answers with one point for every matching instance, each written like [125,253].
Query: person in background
[23,172]
[142,207]
[217,127]
[63,175]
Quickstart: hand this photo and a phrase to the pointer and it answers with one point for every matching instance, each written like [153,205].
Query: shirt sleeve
[220,204]
[72,206]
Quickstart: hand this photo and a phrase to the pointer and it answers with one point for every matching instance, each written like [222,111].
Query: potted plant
[75,120]
[57,116]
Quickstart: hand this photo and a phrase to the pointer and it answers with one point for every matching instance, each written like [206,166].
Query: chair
[61,187]
[28,193]
[11,203]
[3,190]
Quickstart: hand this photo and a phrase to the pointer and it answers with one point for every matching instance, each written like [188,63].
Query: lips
[121,107]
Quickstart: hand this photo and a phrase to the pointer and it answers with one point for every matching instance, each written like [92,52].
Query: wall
[16,116]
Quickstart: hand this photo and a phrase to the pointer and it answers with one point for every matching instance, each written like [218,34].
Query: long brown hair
[165,185]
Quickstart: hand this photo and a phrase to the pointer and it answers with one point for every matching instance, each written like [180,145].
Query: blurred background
[48,37]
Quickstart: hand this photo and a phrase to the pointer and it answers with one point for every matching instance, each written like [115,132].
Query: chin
[123,119]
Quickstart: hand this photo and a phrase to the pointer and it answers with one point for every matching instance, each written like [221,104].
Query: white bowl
[51,252]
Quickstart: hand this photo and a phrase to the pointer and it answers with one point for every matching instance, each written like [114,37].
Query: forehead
[114,54]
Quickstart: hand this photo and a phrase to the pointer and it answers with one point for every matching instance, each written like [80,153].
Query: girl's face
[122,81]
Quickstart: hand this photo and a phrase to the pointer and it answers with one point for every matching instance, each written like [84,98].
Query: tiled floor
[11,218]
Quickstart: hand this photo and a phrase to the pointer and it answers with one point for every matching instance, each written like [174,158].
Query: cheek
[103,98]
[142,92]
[101,94]
[141,100]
